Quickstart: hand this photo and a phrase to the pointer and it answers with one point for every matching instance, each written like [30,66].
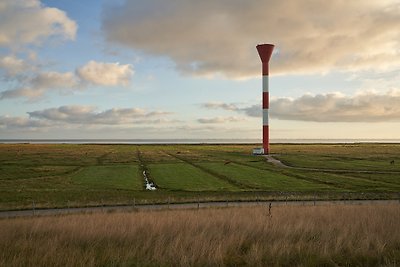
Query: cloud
[29,22]
[89,116]
[219,105]
[367,106]
[12,65]
[106,74]
[218,120]
[77,121]
[24,25]
[336,107]
[37,86]
[21,122]
[48,80]
[251,111]
[26,92]
[210,37]
[94,73]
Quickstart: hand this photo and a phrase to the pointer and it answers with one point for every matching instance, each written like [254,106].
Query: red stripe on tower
[265,52]
[265,100]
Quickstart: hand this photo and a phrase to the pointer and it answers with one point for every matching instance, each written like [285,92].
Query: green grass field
[61,175]
[181,176]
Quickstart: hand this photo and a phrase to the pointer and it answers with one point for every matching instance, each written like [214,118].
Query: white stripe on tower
[265,117]
[265,83]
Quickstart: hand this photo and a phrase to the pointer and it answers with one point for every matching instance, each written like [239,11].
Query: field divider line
[215,174]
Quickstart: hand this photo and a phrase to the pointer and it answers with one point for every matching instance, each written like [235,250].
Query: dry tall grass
[293,236]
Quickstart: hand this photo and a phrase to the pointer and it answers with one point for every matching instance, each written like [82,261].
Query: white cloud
[87,122]
[94,73]
[368,106]
[107,74]
[12,65]
[217,105]
[21,122]
[25,92]
[209,37]
[336,107]
[29,22]
[37,86]
[89,116]
[251,111]
[24,25]
[52,79]
[219,120]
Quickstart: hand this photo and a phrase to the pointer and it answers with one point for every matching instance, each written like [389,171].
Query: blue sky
[189,69]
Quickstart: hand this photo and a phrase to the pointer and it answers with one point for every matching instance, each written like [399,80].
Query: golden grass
[293,236]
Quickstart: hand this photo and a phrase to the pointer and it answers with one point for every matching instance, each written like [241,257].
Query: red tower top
[265,52]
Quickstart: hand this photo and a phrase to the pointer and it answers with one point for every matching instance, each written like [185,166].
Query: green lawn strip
[345,181]
[38,184]
[183,176]
[390,178]
[109,177]
[217,153]
[263,179]
[154,154]
[338,180]
[350,150]
[16,172]
[195,164]
[74,197]
[339,162]
[121,154]
[65,154]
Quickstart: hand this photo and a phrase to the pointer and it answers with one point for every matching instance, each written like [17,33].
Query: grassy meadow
[62,175]
[292,236]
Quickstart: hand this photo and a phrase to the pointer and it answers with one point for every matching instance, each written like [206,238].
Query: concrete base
[258,151]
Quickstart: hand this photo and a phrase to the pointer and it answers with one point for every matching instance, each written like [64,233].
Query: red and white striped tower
[265,52]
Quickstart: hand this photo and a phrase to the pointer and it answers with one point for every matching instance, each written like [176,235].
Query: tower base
[258,151]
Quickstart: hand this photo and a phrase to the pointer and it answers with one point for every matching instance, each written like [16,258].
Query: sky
[176,69]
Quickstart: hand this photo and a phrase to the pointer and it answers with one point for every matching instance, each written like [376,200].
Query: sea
[195,141]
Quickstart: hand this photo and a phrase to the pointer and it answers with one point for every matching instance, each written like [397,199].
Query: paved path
[276,162]
[194,205]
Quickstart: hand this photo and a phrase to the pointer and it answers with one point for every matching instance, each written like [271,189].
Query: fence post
[269,209]
[33,207]
[134,202]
